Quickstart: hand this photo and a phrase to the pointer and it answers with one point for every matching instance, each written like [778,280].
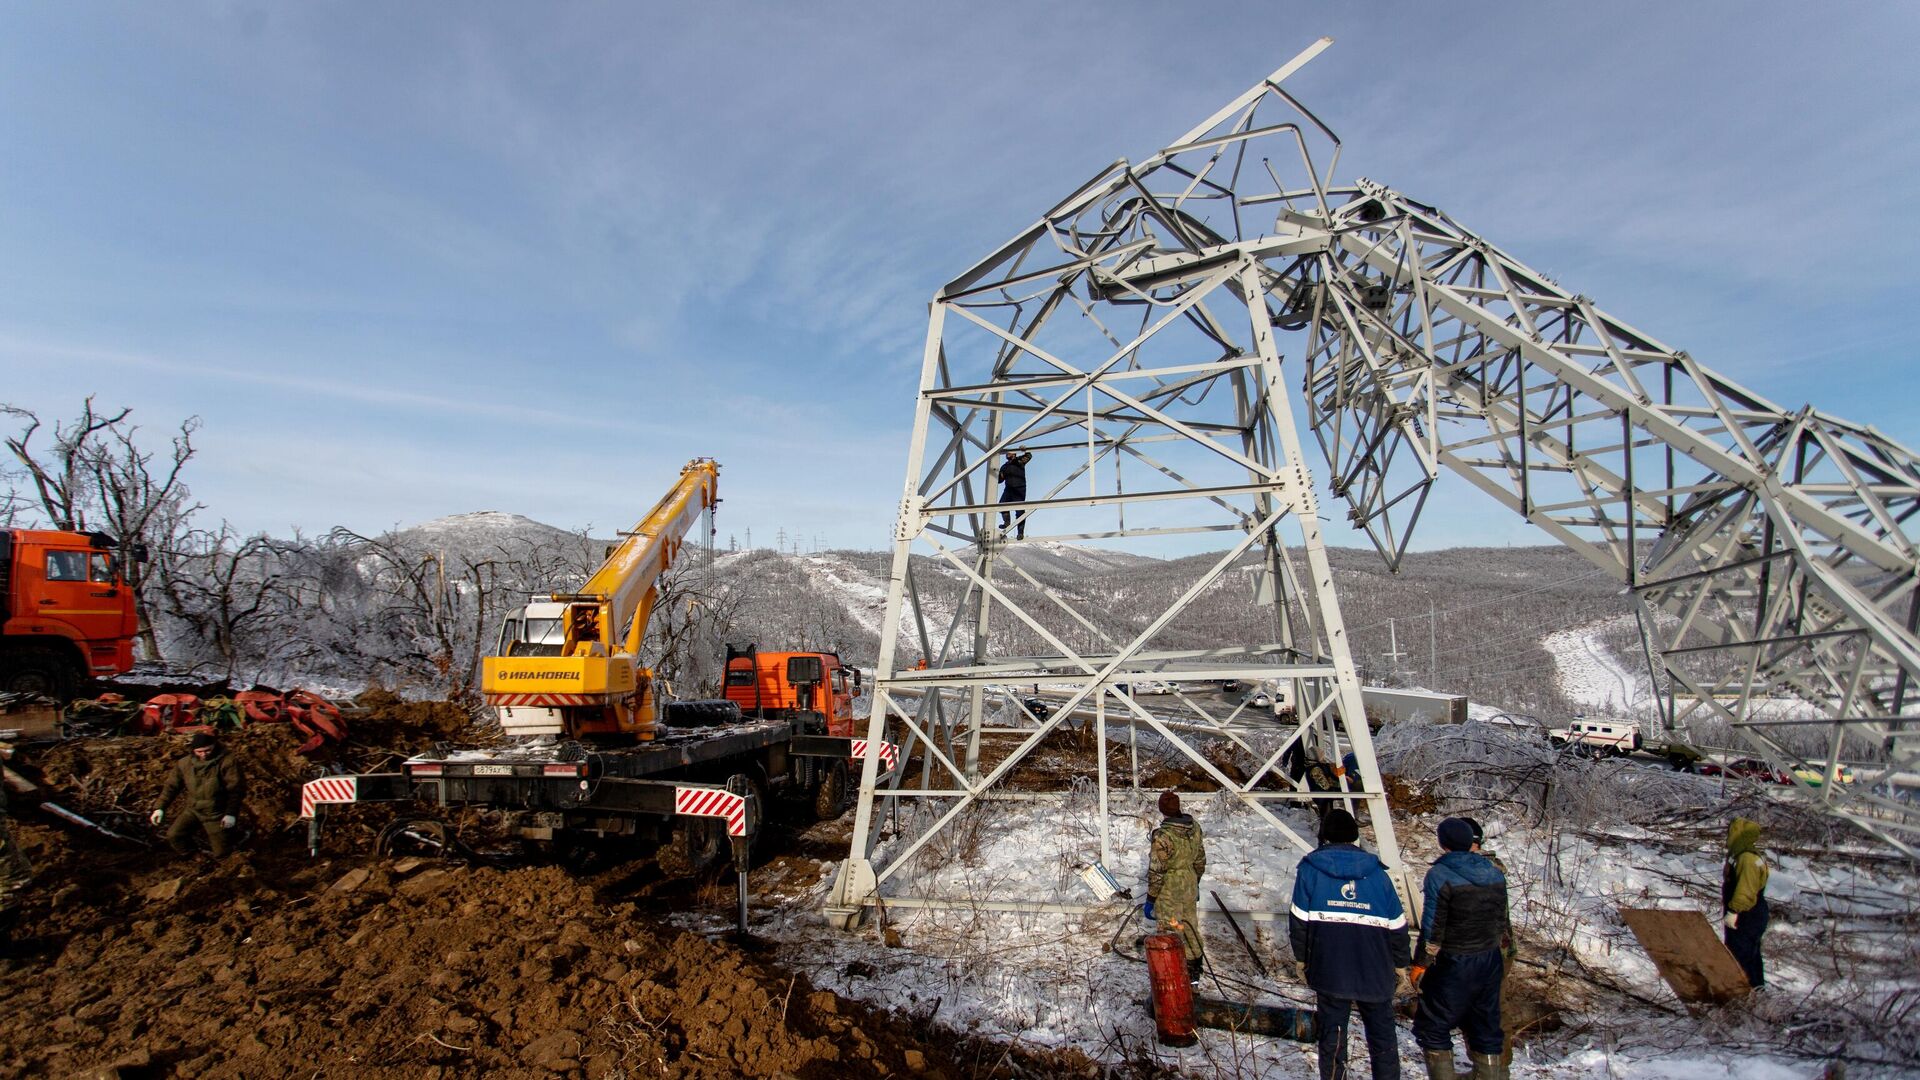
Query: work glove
[1414,975]
[1732,920]
[158,816]
[229,821]
[1402,982]
[1300,970]
[1148,910]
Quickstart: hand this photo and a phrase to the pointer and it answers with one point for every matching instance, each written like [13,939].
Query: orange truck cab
[68,614]
[808,686]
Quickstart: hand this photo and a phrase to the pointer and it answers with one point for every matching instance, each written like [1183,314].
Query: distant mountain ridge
[1464,620]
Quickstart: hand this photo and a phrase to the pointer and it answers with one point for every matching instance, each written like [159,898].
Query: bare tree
[95,475]
[62,474]
[231,596]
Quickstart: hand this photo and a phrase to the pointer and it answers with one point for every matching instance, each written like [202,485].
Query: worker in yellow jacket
[1743,896]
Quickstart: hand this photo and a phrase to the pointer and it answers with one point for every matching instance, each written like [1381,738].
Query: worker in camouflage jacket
[210,778]
[1463,919]
[1176,860]
[1743,896]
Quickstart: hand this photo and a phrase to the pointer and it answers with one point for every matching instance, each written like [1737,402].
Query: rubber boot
[1487,1066]
[1440,1065]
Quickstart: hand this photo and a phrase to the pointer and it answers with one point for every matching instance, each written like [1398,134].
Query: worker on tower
[1743,896]
[1464,921]
[1176,860]
[210,778]
[1349,937]
[1013,488]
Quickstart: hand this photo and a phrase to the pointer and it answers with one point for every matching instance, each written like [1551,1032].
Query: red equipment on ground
[310,714]
[1172,993]
[168,713]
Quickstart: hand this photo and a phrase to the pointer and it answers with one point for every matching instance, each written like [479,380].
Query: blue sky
[413,260]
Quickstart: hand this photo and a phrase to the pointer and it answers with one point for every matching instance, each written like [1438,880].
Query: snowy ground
[1050,979]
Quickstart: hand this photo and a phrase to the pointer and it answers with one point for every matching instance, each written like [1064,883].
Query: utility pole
[1393,649]
[1433,647]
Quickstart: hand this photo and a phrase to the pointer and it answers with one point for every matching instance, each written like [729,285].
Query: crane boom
[589,681]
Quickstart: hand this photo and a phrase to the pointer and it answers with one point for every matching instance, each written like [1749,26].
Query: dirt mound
[416,969]
[132,962]
[117,780]
[384,720]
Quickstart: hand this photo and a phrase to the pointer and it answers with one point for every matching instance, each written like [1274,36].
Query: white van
[1603,736]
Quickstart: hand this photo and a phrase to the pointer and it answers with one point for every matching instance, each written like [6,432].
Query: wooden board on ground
[1689,954]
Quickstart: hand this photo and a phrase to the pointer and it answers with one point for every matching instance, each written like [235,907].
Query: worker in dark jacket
[1176,860]
[1349,937]
[1743,896]
[1464,932]
[1013,488]
[210,779]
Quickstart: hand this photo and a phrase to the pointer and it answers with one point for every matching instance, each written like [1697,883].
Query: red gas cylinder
[1172,994]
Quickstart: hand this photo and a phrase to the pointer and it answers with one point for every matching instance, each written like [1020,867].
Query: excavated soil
[132,962]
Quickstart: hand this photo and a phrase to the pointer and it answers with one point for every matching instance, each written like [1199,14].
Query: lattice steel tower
[1136,324]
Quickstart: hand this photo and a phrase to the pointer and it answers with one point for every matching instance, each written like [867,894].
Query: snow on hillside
[481,519]
[1048,557]
[1589,674]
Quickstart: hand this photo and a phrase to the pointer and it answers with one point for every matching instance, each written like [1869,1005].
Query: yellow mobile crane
[570,664]
[600,755]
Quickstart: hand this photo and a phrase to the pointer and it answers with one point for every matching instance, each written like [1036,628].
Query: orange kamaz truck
[68,614]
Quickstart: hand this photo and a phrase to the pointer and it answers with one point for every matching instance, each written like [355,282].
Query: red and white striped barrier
[889,754]
[543,701]
[713,802]
[328,789]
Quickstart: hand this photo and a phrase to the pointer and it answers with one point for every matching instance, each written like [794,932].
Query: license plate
[493,770]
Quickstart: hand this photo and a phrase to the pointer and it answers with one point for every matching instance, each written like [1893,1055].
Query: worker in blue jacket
[1463,920]
[1349,937]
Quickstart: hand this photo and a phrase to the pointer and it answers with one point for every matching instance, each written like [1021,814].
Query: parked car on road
[1816,776]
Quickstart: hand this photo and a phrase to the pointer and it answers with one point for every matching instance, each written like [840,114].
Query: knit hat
[1479,834]
[1338,827]
[1456,834]
[1169,803]
[200,741]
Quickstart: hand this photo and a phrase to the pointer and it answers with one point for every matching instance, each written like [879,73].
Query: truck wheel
[830,798]
[39,671]
[702,713]
[695,845]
